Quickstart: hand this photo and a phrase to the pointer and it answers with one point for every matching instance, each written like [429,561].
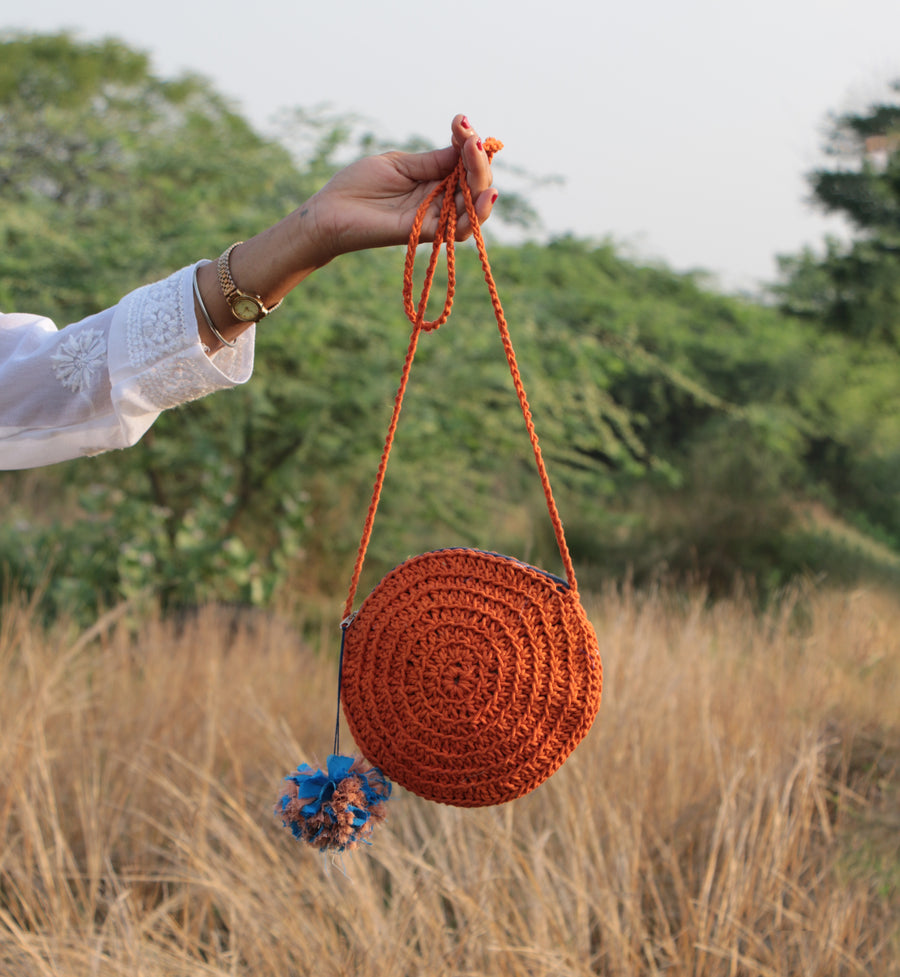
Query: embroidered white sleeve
[100,383]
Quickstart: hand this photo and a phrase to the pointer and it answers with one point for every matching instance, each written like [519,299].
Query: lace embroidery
[78,358]
[156,325]
[178,381]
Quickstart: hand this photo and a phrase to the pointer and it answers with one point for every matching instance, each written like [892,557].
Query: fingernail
[494,198]
[480,147]
[464,122]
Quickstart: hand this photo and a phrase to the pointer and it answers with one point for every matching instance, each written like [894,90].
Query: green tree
[851,294]
[854,288]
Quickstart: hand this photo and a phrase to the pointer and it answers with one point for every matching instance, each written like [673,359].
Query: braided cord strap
[445,236]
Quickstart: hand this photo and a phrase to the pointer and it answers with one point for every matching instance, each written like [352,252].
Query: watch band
[236,297]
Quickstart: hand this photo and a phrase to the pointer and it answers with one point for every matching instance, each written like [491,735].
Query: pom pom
[338,809]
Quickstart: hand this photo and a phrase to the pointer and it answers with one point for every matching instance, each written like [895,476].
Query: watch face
[245,308]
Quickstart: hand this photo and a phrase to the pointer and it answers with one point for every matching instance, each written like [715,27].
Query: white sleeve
[100,383]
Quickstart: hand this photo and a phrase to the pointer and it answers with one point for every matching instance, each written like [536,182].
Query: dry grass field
[734,811]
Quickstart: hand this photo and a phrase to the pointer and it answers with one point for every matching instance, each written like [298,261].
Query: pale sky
[682,130]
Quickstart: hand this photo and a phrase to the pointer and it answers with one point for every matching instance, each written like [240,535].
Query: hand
[370,204]
[373,202]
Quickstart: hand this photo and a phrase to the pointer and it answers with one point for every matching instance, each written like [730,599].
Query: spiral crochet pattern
[469,677]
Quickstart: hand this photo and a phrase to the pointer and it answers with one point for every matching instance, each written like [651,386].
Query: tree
[855,288]
[851,293]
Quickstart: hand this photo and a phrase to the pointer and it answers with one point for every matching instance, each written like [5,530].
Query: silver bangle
[206,315]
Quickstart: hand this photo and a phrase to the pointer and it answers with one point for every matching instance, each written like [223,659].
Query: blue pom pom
[338,809]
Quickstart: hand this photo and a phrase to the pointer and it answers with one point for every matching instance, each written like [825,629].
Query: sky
[681,131]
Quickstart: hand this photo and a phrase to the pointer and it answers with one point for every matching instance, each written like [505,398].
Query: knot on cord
[452,184]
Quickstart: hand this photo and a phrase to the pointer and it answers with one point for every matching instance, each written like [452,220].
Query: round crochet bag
[467,677]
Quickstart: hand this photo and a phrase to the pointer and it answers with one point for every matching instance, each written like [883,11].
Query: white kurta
[100,383]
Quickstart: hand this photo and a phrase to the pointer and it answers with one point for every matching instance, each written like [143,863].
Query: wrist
[215,323]
[315,240]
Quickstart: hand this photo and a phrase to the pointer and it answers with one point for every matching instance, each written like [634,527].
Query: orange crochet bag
[467,677]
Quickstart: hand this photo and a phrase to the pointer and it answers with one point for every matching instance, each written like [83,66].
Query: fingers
[436,164]
[461,129]
[478,171]
[467,141]
[427,168]
[484,204]
[478,166]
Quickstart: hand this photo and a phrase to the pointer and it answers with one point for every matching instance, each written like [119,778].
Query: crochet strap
[446,235]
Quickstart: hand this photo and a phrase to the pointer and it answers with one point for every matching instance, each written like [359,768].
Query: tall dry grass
[733,812]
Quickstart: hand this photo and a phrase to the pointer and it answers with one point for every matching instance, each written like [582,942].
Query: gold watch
[244,305]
